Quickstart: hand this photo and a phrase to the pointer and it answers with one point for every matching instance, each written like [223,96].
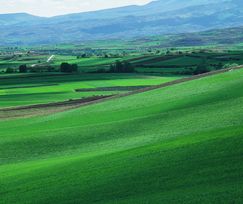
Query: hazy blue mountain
[154,7]
[17,18]
[226,36]
[156,18]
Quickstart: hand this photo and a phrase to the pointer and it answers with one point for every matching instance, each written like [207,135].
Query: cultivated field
[45,93]
[39,88]
[170,61]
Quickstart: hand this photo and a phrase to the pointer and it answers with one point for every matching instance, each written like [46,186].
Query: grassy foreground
[179,144]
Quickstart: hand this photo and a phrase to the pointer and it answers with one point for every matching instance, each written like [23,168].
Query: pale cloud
[58,7]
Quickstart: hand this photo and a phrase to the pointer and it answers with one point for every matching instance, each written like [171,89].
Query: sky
[58,7]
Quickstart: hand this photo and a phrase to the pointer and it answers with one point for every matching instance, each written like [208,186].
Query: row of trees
[117,67]
[23,68]
[204,67]
[64,67]
[68,68]
[122,67]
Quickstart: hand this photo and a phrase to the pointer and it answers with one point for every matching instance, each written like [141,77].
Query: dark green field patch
[113,88]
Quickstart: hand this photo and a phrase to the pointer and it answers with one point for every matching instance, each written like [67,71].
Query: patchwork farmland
[170,137]
[99,126]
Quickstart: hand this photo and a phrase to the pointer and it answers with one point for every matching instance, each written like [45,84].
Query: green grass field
[18,90]
[179,144]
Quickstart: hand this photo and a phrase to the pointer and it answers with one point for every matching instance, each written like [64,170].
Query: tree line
[64,67]
[117,67]
[121,67]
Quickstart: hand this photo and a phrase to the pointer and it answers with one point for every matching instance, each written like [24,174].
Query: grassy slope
[180,144]
[60,88]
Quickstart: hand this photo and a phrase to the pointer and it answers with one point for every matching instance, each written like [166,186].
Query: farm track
[45,109]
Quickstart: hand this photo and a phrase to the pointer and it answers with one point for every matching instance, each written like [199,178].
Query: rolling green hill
[179,144]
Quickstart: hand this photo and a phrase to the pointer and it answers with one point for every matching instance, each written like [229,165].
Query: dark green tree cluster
[219,66]
[23,68]
[122,67]
[84,55]
[202,68]
[68,68]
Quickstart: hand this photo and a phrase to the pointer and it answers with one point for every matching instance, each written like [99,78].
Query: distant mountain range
[226,36]
[156,18]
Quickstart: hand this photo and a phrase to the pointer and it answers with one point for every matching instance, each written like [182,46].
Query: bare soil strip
[44,109]
[56,104]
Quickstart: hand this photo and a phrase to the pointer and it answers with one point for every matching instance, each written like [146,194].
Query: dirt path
[56,104]
[45,109]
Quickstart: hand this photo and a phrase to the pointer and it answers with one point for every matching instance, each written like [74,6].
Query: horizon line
[64,14]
